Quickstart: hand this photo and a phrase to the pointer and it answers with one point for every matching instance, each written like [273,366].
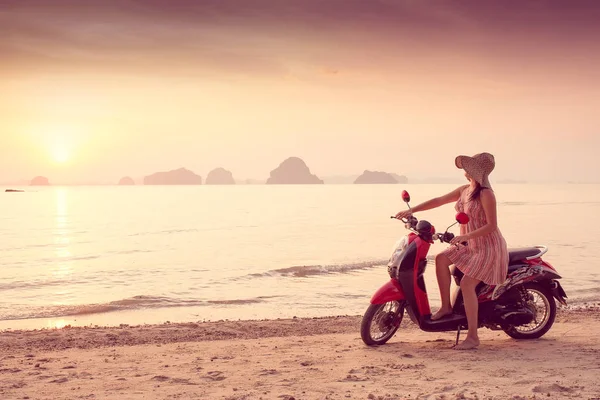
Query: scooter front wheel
[380,322]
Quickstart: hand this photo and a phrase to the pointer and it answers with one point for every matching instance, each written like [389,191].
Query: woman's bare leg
[468,285]
[442,270]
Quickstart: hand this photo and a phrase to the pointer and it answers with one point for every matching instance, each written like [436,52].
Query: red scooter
[523,306]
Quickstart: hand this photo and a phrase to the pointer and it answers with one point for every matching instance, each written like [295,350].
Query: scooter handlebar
[411,222]
[446,237]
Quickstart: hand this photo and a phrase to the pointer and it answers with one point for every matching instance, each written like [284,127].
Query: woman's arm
[440,201]
[488,201]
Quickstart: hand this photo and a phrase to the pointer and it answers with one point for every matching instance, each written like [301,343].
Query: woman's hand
[459,239]
[403,214]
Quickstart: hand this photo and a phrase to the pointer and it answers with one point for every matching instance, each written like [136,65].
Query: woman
[485,259]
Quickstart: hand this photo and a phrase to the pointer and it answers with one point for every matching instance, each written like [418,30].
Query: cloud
[272,37]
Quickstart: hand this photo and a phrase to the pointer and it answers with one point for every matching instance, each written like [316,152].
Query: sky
[91,91]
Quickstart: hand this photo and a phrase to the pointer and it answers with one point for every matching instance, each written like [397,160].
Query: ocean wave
[133,303]
[303,271]
[33,284]
[29,246]
[40,246]
[90,257]
[191,230]
[132,251]
[239,302]
[165,232]
[514,203]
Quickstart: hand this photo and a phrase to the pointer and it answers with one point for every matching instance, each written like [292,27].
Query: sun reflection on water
[57,323]
[62,238]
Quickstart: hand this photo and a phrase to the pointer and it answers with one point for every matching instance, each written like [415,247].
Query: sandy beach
[319,358]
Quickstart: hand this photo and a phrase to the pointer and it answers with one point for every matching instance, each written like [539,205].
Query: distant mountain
[126,181]
[179,176]
[220,176]
[400,178]
[292,171]
[378,177]
[40,181]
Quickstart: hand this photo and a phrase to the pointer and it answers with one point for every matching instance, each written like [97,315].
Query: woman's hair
[476,192]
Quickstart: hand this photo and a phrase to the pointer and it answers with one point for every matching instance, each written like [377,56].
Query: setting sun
[60,154]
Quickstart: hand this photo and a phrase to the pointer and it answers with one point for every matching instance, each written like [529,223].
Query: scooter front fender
[389,292]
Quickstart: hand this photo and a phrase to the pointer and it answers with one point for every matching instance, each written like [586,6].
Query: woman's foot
[441,313]
[467,344]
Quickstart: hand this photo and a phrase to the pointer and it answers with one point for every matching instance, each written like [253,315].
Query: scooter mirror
[462,218]
[405,196]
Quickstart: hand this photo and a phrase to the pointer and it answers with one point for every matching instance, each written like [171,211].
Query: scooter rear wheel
[544,307]
[380,322]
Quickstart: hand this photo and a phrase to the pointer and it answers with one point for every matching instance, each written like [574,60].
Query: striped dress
[486,257]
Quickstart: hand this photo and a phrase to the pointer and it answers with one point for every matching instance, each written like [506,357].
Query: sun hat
[478,167]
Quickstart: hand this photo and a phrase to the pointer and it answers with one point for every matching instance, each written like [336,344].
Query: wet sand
[320,358]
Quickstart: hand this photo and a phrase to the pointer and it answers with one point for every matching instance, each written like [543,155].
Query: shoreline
[90,336]
[302,358]
[130,318]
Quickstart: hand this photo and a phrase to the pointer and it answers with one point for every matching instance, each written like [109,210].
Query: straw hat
[478,167]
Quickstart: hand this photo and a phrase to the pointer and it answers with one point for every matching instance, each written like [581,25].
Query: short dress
[486,257]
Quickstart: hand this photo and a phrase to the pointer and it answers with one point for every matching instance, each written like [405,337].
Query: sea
[110,255]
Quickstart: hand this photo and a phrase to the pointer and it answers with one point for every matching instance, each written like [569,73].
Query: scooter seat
[517,255]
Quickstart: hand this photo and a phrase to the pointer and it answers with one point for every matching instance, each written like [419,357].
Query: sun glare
[60,154]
